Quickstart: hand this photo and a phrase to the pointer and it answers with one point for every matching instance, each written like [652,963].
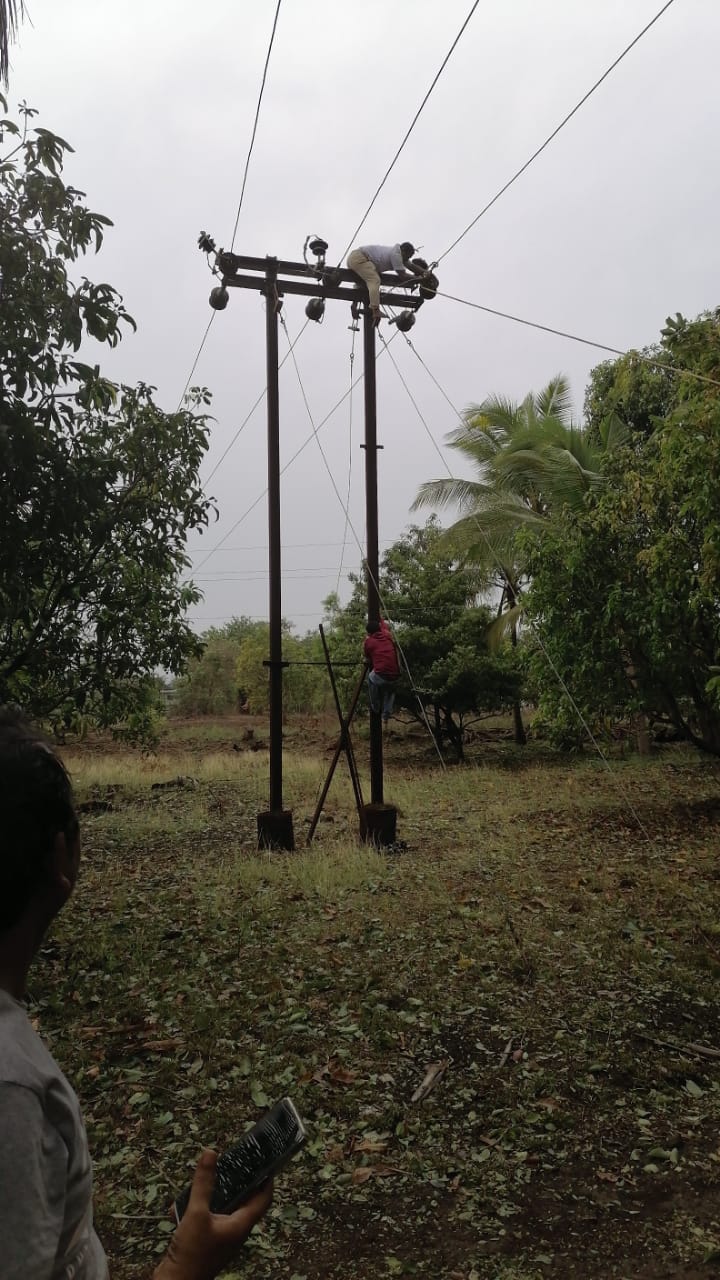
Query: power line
[263,546]
[260,572]
[249,415]
[556,131]
[350,461]
[199,352]
[255,125]
[237,219]
[408,614]
[412,126]
[420,703]
[248,511]
[317,437]
[657,361]
[531,324]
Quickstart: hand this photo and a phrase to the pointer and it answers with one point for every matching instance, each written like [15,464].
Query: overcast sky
[612,228]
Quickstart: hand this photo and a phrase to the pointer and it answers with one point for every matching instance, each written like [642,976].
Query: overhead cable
[657,361]
[414,121]
[218,546]
[249,415]
[350,461]
[350,525]
[338,495]
[255,124]
[198,353]
[237,217]
[557,130]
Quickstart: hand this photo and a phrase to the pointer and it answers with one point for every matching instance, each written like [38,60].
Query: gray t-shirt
[386,257]
[46,1223]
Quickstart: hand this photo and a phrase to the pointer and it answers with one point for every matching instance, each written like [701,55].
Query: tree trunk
[519,727]
[454,734]
[642,734]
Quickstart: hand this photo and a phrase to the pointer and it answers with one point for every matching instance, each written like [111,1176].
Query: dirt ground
[548,931]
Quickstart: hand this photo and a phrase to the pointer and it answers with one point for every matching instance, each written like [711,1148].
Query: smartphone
[259,1154]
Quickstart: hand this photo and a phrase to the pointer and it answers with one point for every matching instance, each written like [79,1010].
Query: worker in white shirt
[370,260]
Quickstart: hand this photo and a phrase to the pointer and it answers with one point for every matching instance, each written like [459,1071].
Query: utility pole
[380,819]
[275,278]
[275,826]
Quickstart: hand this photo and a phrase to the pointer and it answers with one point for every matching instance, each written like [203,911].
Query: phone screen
[260,1153]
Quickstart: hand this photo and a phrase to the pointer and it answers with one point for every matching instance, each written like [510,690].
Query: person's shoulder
[24,1059]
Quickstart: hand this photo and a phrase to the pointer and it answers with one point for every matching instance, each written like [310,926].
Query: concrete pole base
[275,830]
[380,824]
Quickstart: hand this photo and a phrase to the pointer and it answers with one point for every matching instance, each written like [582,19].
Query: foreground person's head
[39,833]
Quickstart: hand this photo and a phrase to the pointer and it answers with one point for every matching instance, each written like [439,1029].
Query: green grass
[565,959]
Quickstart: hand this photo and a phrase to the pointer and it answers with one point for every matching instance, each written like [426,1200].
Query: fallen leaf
[341,1075]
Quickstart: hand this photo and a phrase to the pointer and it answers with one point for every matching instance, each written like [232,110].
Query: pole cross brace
[308,285]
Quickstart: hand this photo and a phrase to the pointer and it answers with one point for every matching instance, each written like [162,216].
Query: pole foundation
[275,830]
[380,825]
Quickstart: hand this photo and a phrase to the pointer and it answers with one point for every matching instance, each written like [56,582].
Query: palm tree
[11,14]
[530,460]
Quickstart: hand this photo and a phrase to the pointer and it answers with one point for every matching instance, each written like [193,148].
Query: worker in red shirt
[381,657]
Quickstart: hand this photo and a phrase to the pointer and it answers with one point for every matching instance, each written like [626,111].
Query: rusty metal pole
[275,829]
[380,819]
[372,557]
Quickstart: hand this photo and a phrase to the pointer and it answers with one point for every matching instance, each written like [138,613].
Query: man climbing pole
[371,259]
[381,656]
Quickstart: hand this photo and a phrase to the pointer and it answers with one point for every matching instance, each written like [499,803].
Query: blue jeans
[381,692]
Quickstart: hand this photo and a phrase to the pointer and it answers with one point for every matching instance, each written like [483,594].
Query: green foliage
[530,461]
[210,687]
[644,389]
[432,602]
[626,592]
[305,688]
[100,485]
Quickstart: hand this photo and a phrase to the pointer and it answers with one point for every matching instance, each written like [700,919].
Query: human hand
[205,1242]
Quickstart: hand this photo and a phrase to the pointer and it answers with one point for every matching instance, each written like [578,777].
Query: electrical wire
[349,523]
[517,319]
[518,595]
[415,119]
[657,361]
[350,461]
[316,437]
[204,339]
[249,415]
[198,354]
[255,124]
[263,546]
[557,130]
[248,511]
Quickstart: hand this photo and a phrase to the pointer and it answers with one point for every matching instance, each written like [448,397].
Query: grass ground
[562,961]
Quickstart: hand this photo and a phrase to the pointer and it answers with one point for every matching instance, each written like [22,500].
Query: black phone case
[260,1153]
